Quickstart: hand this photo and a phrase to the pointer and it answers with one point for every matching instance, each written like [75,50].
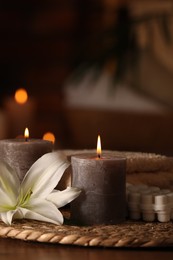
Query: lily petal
[5,201]
[47,169]
[61,198]
[7,216]
[9,184]
[42,210]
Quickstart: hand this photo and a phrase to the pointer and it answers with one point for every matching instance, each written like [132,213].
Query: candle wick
[99,156]
[26,139]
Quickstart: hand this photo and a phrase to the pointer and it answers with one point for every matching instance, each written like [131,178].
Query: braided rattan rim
[128,234]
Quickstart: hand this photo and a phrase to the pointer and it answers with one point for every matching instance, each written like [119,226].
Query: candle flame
[26,134]
[49,137]
[99,150]
[21,96]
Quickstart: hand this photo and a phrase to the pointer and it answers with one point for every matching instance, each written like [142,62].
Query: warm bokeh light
[49,137]
[26,133]
[99,150]
[21,96]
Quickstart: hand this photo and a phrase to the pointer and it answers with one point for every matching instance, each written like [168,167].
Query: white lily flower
[35,198]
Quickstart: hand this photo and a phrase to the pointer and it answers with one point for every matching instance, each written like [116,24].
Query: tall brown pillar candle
[21,154]
[103,196]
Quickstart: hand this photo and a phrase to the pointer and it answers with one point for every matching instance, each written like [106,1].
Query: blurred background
[89,67]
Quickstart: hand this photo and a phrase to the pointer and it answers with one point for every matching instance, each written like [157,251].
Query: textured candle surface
[21,154]
[103,196]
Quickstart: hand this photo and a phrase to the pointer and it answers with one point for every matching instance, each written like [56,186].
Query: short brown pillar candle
[20,154]
[103,196]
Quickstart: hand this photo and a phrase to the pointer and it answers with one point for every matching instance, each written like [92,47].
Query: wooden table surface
[13,249]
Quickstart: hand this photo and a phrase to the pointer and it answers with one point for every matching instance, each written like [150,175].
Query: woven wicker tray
[128,234]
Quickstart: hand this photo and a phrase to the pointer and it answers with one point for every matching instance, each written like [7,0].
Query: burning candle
[20,111]
[49,136]
[3,125]
[102,181]
[20,154]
